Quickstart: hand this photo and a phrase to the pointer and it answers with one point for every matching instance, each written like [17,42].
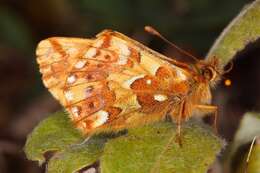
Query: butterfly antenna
[229,68]
[152,31]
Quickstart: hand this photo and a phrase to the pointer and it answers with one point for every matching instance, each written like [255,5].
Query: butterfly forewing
[111,82]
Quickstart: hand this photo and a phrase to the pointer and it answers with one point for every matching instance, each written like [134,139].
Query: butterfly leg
[178,120]
[210,109]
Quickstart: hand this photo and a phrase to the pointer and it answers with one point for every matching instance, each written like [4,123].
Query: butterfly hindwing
[109,83]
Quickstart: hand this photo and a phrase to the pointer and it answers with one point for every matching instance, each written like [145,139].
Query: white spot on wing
[80,64]
[149,82]
[71,79]
[91,52]
[181,75]
[124,51]
[127,83]
[72,51]
[99,43]
[160,97]
[122,60]
[69,95]
[75,111]
[100,118]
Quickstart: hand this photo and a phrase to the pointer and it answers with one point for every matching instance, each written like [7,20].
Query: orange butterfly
[112,82]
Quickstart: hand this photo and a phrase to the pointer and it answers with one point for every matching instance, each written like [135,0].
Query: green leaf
[153,149]
[244,29]
[77,156]
[149,148]
[56,134]
[52,134]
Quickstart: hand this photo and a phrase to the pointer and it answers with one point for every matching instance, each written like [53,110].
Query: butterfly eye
[208,73]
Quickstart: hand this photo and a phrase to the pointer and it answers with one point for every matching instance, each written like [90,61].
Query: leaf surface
[153,149]
[244,29]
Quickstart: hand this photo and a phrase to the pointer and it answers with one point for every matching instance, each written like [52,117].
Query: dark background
[191,24]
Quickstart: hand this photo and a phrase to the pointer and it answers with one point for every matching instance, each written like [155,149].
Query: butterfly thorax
[200,78]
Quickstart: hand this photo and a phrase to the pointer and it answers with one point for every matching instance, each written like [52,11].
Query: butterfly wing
[111,82]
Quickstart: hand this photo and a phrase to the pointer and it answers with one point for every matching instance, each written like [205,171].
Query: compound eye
[208,73]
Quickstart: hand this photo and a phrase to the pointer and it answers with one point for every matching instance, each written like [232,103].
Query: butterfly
[112,82]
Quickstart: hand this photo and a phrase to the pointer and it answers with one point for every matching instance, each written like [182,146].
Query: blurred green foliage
[14,31]
[244,29]
[184,21]
[236,159]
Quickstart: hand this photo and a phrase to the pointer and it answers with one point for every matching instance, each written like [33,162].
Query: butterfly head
[209,71]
